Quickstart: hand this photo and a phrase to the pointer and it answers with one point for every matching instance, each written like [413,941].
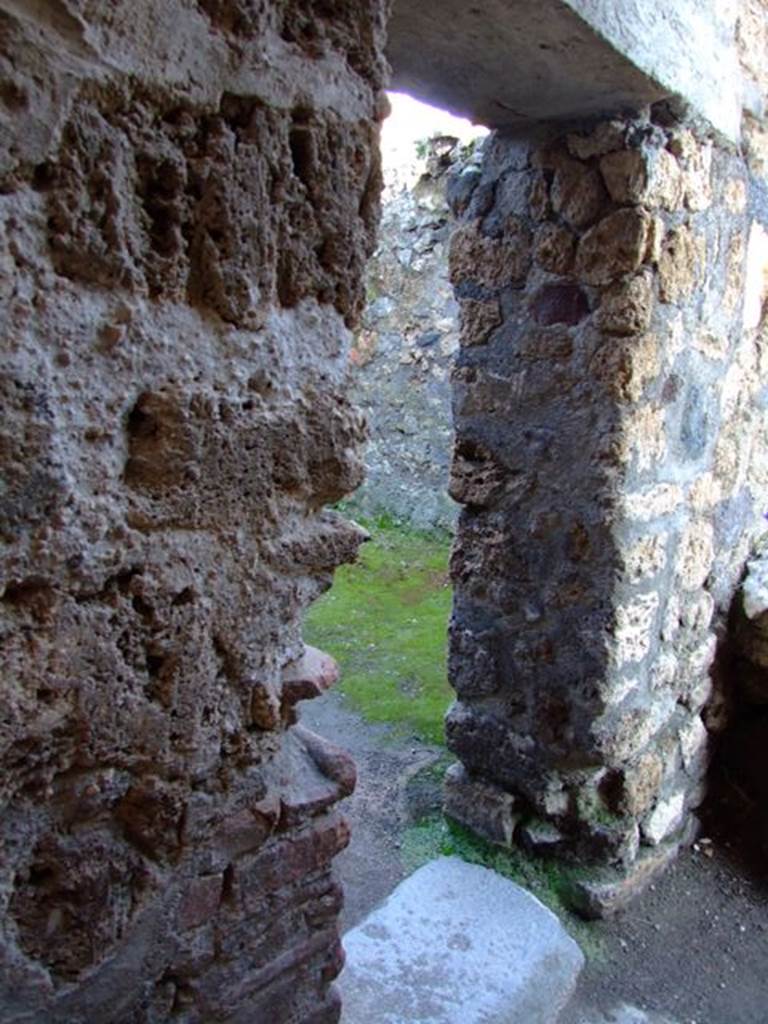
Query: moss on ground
[547,880]
[385,622]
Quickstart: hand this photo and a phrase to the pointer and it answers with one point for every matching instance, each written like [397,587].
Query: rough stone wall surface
[403,354]
[609,403]
[752,47]
[188,193]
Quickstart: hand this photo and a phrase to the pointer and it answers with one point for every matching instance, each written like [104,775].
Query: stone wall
[404,351]
[610,456]
[188,193]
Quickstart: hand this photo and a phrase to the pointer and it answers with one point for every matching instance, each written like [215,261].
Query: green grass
[547,880]
[385,622]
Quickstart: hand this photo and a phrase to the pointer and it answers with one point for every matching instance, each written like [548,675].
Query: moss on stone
[549,881]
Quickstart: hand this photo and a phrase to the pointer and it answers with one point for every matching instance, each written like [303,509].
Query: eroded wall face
[610,458]
[189,193]
[403,354]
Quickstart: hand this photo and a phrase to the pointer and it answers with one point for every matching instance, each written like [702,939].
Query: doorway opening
[385,619]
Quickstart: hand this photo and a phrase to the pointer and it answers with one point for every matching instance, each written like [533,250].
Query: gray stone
[480,806]
[609,891]
[625,1014]
[572,58]
[458,944]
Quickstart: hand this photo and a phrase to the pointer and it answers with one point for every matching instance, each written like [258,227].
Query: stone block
[477,320]
[706,492]
[570,61]
[635,622]
[635,787]
[735,273]
[541,839]
[735,195]
[625,174]
[644,437]
[479,805]
[650,177]
[754,591]
[308,677]
[697,176]
[657,231]
[606,137]
[607,892]
[698,612]
[627,307]
[554,248]
[680,264]
[614,247]
[309,774]
[666,187]
[247,829]
[490,262]
[265,706]
[663,674]
[695,554]
[626,368]
[332,761]
[625,734]
[288,859]
[695,674]
[693,739]
[577,193]
[645,558]
[458,944]
[653,502]
[666,818]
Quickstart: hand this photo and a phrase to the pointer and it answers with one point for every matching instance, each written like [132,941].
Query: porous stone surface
[458,944]
[188,194]
[608,505]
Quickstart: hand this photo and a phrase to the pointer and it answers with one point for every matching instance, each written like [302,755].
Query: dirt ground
[692,950]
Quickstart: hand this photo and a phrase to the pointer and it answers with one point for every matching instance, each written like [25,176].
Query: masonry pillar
[188,193]
[606,400]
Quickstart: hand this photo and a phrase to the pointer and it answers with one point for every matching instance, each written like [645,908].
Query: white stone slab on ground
[626,1014]
[458,944]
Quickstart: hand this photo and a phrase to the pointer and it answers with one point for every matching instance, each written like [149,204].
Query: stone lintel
[506,64]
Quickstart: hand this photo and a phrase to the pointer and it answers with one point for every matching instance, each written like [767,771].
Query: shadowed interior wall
[188,194]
